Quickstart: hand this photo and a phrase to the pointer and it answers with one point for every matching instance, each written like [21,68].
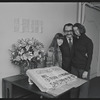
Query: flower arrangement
[27,53]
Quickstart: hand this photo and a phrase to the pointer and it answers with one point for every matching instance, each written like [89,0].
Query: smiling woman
[53,55]
[81,61]
[59,41]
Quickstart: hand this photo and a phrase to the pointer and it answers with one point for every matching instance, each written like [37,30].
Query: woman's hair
[81,28]
[54,41]
[54,45]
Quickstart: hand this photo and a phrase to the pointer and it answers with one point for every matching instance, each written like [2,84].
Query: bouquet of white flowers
[27,53]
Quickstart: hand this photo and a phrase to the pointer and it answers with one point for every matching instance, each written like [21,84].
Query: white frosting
[50,77]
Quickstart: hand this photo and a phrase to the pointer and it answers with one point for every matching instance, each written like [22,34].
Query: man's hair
[81,28]
[69,24]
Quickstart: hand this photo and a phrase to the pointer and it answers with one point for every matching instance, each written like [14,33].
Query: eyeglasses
[68,31]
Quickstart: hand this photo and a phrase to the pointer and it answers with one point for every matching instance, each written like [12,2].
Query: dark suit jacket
[83,53]
[67,54]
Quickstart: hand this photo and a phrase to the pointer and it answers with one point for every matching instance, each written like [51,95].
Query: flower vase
[22,70]
[41,64]
[24,67]
[32,65]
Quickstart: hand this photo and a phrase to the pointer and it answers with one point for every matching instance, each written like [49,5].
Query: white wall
[53,15]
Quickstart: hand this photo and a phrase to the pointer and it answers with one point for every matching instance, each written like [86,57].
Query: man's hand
[85,74]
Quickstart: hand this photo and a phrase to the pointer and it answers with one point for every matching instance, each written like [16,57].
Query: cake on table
[50,78]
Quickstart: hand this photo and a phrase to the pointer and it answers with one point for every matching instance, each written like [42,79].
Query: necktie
[70,43]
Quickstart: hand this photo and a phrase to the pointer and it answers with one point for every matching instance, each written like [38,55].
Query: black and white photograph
[50,50]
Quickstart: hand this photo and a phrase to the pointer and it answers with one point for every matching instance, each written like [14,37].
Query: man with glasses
[67,47]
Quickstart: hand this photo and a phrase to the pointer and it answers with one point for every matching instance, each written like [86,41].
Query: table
[17,86]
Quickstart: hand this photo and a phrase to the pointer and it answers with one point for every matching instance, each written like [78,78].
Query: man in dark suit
[67,47]
[67,50]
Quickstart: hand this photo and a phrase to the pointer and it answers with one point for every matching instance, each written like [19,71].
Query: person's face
[59,42]
[68,31]
[76,31]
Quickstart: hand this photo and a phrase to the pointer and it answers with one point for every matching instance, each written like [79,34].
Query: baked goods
[50,78]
